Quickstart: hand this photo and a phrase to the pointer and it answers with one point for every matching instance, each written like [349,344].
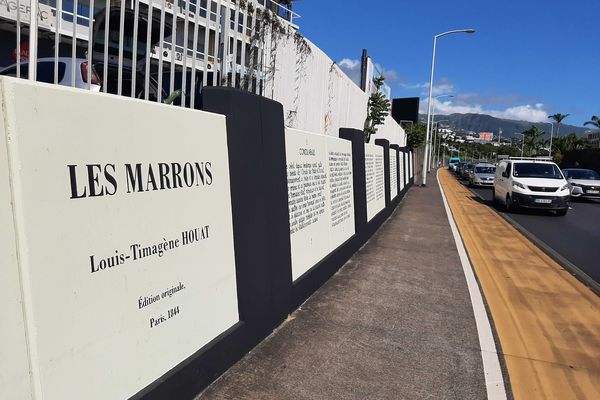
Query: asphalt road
[575,236]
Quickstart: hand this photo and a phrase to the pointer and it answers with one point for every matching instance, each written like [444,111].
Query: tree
[558,118]
[416,135]
[595,122]
[378,107]
[532,141]
[567,143]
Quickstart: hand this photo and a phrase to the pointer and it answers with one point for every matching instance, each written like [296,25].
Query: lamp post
[522,143]
[431,153]
[439,141]
[551,133]
[427,141]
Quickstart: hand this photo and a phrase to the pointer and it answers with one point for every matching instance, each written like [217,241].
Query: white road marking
[494,381]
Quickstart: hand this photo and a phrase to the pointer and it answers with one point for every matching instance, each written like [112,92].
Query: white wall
[391,131]
[320,194]
[374,179]
[14,359]
[317,96]
[89,337]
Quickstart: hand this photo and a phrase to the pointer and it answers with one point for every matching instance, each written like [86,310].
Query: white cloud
[351,67]
[390,75]
[349,64]
[438,89]
[525,112]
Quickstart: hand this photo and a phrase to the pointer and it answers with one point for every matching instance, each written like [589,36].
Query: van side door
[501,181]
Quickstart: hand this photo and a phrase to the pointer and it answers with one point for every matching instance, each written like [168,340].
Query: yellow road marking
[547,321]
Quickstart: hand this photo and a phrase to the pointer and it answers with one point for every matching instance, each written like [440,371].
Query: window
[45,72]
[485,170]
[582,174]
[537,170]
[508,168]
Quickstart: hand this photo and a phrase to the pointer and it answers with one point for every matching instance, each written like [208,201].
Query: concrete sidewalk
[396,322]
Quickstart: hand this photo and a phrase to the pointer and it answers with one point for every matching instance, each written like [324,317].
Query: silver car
[585,183]
[483,175]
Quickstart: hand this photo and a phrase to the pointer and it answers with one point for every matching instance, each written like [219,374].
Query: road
[575,236]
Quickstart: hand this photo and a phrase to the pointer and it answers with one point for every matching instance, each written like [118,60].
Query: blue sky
[528,58]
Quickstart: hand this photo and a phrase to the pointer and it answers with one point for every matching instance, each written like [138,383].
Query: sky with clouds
[528,58]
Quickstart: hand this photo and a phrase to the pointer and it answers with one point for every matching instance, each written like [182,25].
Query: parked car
[585,183]
[452,162]
[531,183]
[45,72]
[483,175]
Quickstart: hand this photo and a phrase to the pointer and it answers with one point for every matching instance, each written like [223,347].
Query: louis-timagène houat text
[139,251]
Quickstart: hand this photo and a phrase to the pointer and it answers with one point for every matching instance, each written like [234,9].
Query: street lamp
[439,140]
[522,143]
[431,153]
[427,144]
[551,133]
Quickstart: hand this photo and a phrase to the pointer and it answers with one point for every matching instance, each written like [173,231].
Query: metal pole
[33,39]
[427,140]
[551,133]
[424,172]
[439,141]
[434,140]
[432,127]
[522,143]
[437,156]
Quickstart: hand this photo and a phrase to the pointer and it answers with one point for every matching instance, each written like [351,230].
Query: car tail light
[84,73]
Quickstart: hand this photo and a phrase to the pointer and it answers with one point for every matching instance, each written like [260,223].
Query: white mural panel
[374,179]
[320,196]
[125,236]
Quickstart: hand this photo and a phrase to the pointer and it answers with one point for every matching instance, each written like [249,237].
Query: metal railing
[149,49]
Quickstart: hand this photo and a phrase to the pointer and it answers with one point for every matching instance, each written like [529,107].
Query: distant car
[531,183]
[466,171]
[452,162]
[483,175]
[458,167]
[585,183]
[45,72]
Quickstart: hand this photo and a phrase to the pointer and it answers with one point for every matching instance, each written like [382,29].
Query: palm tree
[558,118]
[532,140]
[595,122]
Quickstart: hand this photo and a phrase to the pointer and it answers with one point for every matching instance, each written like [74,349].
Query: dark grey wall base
[315,277]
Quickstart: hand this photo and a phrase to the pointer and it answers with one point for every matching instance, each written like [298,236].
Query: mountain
[486,123]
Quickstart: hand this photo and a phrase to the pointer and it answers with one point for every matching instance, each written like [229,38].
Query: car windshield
[485,170]
[537,170]
[582,174]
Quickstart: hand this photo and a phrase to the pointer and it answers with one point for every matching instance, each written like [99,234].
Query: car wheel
[562,212]
[510,207]
[495,201]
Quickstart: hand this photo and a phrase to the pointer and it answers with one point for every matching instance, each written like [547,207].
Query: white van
[531,183]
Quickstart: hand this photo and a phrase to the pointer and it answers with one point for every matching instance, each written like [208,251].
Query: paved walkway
[396,322]
[548,323]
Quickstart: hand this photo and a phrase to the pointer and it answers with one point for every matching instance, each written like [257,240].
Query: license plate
[543,201]
[593,191]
